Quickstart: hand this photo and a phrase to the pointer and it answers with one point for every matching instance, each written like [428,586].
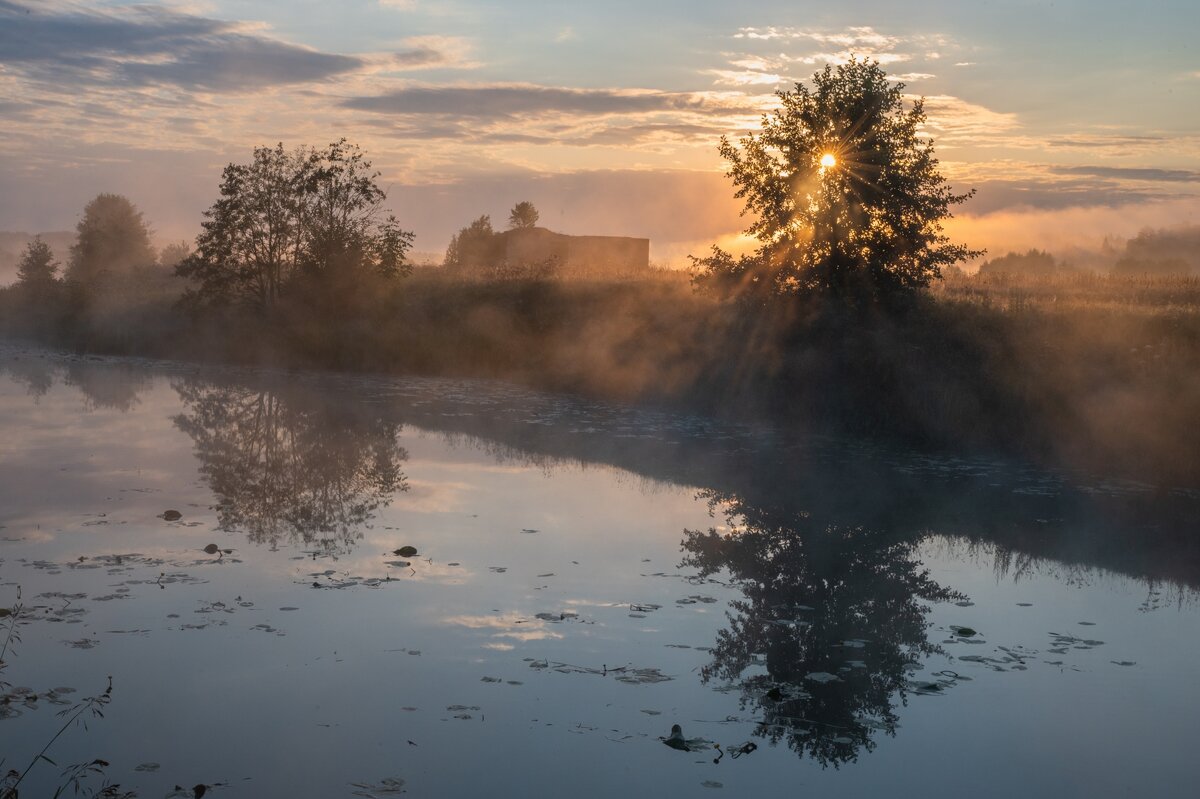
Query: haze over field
[1074,120]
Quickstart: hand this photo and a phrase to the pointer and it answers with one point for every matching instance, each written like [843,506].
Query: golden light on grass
[828,161]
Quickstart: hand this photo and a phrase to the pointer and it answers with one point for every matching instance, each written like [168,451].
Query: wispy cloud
[793,48]
[432,52]
[1131,173]
[526,99]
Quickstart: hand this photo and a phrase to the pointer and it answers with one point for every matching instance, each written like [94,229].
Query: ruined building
[565,255]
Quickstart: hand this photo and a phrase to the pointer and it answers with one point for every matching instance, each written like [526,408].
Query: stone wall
[575,254]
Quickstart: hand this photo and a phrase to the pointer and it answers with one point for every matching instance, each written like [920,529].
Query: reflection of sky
[469,106]
[327,702]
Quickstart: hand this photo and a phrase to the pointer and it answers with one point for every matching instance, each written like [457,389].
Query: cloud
[432,52]
[745,77]
[994,195]
[825,46]
[67,45]
[518,100]
[855,38]
[956,119]
[1131,173]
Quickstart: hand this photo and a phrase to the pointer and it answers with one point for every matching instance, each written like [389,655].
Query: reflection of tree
[818,603]
[108,385]
[292,465]
[33,372]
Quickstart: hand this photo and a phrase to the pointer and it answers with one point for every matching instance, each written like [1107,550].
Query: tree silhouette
[171,255]
[113,241]
[37,267]
[291,215]
[522,215]
[288,465]
[844,191]
[473,246]
[839,614]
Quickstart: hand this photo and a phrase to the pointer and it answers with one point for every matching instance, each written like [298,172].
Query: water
[839,619]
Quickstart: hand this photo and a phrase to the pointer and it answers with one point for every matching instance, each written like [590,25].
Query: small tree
[113,242]
[523,215]
[171,255]
[37,269]
[473,246]
[292,215]
[844,191]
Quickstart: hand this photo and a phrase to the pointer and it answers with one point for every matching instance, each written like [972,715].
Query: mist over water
[586,575]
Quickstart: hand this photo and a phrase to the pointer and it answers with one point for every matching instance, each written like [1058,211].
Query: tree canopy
[473,245]
[522,215]
[288,216]
[844,193]
[37,266]
[113,241]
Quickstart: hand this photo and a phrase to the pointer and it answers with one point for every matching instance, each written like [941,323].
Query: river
[307,584]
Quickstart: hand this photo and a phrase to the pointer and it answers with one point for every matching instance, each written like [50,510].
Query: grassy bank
[1080,370]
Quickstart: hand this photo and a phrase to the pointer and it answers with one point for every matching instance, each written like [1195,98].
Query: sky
[1071,119]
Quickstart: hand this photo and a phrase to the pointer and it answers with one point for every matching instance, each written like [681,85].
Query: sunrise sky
[1072,119]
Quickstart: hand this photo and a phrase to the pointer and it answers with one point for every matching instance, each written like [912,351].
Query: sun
[828,161]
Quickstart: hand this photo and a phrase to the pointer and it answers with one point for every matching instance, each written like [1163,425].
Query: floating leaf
[821,676]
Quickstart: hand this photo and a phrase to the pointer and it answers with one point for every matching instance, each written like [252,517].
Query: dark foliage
[845,196]
[290,218]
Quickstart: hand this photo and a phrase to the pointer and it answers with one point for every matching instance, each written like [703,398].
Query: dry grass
[1074,291]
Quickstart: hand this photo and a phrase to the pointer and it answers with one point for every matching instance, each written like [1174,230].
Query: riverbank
[1089,373]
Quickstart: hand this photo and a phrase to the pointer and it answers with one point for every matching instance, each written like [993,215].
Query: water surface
[836,618]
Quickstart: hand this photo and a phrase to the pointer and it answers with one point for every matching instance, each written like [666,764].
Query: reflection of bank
[836,616]
[290,464]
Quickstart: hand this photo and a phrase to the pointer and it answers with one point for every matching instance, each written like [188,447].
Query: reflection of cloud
[518,628]
[431,497]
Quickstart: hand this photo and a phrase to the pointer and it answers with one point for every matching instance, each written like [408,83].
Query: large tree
[113,241]
[290,215]
[844,192]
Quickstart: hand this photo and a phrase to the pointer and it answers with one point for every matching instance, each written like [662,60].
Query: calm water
[839,620]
